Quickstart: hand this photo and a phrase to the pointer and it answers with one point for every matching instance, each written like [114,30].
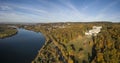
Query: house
[94,31]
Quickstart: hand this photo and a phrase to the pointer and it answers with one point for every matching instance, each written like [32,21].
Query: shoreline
[8,32]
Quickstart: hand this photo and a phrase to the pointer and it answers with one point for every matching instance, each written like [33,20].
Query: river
[22,47]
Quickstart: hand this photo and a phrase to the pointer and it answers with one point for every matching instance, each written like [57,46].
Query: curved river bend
[22,47]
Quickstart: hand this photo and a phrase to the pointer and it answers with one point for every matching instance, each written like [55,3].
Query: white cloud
[3,7]
[64,11]
[32,9]
[14,7]
[103,12]
[106,8]
[18,17]
[68,12]
[89,5]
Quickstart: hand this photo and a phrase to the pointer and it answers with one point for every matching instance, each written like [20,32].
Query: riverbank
[22,47]
[58,45]
[6,31]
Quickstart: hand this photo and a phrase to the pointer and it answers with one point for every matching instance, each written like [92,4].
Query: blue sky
[37,11]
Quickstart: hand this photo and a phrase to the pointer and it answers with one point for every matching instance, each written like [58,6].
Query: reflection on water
[21,48]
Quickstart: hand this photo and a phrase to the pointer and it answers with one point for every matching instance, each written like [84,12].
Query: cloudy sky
[34,11]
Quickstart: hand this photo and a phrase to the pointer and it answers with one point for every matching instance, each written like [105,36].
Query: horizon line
[59,22]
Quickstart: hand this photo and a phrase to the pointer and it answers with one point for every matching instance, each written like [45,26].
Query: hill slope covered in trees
[67,43]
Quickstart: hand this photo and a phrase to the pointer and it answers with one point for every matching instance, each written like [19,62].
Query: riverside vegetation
[6,31]
[67,43]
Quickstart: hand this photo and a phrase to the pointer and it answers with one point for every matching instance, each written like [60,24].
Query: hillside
[67,43]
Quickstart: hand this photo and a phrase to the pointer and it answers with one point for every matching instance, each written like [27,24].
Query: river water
[22,47]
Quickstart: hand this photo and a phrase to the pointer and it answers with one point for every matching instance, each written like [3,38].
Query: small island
[7,31]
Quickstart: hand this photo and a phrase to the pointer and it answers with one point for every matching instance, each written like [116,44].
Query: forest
[67,43]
